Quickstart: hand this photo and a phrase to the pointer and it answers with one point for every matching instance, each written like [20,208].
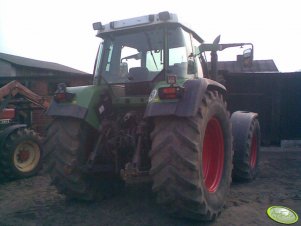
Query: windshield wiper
[150,47]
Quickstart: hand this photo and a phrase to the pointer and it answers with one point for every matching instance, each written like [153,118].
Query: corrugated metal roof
[27,62]
[257,66]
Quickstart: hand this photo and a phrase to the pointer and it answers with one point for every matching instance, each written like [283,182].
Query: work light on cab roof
[136,22]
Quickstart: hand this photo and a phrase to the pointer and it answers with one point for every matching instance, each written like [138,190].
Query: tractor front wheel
[21,154]
[246,145]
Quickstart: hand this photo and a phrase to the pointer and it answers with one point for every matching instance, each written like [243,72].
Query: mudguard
[69,110]
[7,131]
[84,104]
[188,105]
[241,121]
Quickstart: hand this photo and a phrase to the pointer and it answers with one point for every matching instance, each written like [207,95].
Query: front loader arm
[14,87]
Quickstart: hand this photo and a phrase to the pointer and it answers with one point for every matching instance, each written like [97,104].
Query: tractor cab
[146,50]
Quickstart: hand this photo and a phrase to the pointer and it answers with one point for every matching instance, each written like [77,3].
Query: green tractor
[151,115]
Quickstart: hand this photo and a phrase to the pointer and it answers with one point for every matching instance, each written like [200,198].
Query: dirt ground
[33,201]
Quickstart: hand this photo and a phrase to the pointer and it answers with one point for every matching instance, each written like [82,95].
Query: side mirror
[248,57]
[248,53]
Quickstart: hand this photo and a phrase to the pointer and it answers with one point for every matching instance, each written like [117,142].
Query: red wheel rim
[253,157]
[213,155]
[23,155]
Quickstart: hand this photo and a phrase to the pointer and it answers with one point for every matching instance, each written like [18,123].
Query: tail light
[7,113]
[61,94]
[63,97]
[173,92]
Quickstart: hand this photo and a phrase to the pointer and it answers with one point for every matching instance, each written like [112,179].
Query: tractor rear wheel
[192,160]
[68,144]
[21,154]
[66,148]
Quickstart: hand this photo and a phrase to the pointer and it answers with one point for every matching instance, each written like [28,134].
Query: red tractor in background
[20,146]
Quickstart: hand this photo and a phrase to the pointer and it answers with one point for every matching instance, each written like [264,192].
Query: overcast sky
[61,30]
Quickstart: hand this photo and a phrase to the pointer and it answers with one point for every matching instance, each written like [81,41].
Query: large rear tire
[68,144]
[192,160]
[21,154]
[66,147]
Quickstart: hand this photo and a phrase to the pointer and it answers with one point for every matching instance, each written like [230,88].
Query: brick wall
[39,120]
[43,83]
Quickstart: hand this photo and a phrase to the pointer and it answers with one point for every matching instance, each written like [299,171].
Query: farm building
[42,78]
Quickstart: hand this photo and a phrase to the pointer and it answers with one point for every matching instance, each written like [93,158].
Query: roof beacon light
[164,16]
[97,26]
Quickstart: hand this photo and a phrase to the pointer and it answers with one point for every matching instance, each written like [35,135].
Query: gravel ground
[34,201]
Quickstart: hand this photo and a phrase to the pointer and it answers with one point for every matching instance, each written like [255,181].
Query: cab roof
[141,22]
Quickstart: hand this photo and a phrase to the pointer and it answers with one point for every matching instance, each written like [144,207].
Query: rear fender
[83,105]
[241,122]
[9,130]
[188,105]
